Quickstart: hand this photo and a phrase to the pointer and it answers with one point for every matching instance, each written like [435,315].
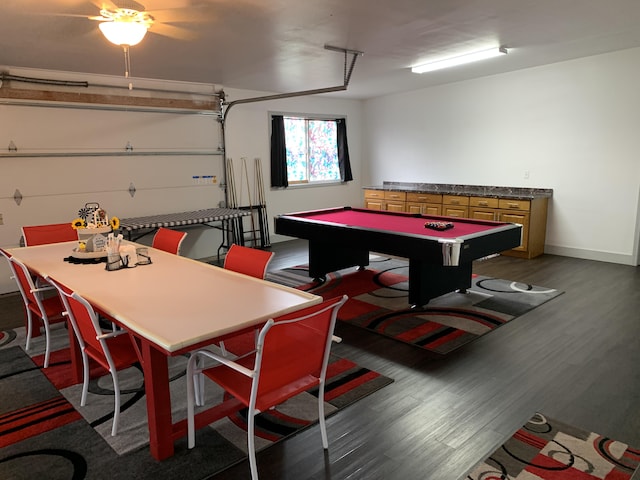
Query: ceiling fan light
[123,33]
[462,59]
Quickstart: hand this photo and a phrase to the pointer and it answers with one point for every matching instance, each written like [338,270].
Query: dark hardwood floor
[575,358]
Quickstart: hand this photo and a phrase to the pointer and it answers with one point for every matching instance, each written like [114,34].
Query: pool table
[440,261]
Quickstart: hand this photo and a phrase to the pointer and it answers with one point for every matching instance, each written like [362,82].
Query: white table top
[175,302]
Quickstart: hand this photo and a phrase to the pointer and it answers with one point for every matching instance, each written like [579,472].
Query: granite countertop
[520,193]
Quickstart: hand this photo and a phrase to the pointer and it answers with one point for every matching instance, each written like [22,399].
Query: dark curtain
[343,151]
[278,153]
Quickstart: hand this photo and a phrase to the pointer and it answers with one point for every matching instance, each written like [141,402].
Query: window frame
[307,117]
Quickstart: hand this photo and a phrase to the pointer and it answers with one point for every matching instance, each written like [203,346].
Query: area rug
[44,433]
[378,302]
[546,449]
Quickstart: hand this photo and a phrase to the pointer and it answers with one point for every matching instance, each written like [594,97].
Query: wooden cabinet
[483,208]
[531,214]
[424,203]
[455,206]
[395,201]
[385,200]
[374,199]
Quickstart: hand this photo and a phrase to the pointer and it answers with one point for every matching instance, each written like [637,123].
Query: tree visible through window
[312,150]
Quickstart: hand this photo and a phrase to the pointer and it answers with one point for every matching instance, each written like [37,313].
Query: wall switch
[526,174]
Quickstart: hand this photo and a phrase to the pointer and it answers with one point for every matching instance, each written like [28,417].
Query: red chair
[113,350]
[291,356]
[49,310]
[52,233]
[168,240]
[249,261]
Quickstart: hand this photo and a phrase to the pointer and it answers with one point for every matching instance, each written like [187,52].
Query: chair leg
[47,342]
[321,419]
[85,381]
[116,406]
[29,329]
[251,445]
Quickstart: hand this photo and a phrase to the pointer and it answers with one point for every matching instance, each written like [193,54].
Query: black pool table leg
[325,257]
[428,281]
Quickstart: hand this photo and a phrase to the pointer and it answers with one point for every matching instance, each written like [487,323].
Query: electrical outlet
[1,222]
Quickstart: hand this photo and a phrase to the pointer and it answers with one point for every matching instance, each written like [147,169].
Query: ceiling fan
[124,26]
[125,23]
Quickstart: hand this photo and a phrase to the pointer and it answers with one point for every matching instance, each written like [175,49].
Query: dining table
[170,307]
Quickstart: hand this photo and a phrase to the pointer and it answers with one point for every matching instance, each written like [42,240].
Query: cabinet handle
[483,204]
[455,202]
[513,205]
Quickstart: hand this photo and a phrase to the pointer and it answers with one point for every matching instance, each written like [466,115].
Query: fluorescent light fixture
[452,62]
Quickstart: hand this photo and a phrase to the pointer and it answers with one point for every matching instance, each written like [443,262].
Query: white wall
[247,135]
[573,126]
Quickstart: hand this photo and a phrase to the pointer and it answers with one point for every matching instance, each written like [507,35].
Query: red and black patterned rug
[45,433]
[378,302]
[546,449]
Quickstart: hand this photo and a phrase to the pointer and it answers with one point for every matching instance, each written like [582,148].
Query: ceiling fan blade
[172,31]
[188,15]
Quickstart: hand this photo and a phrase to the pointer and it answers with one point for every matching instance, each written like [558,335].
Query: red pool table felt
[400,223]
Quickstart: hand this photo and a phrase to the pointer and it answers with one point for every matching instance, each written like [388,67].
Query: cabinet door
[415,207]
[424,208]
[518,217]
[373,204]
[432,209]
[451,211]
[394,206]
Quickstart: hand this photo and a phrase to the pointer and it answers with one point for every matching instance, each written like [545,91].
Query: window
[308,150]
[312,150]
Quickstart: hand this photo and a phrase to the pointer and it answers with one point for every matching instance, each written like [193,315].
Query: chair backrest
[5,254]
[249,261]
[293,347]
[85,323]
[52,233]
[26,284]
[168,240]
[12,270]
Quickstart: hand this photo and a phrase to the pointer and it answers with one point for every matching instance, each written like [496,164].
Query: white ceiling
[278,45]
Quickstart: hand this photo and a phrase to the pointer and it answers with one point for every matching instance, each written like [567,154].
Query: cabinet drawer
[455,200]
[507,204]
[395,196]
[424,197]
[374,194]
[479,213]
[486,202]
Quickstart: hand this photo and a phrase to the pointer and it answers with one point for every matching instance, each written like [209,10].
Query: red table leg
[156,381]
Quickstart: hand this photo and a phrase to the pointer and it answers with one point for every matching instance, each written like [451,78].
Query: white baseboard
[590,255]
